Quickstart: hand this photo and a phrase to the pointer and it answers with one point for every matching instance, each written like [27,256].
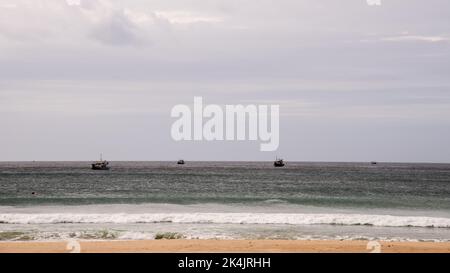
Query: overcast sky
[354,82]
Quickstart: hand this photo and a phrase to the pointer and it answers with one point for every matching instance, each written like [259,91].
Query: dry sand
[225,246]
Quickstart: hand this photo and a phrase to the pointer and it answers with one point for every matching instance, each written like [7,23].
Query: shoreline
[226,246]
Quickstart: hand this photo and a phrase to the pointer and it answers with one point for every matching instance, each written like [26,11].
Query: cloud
[108,22]
[8,6]
[71,61]
[73,2]
[185,17]
[116,29]
[431,39]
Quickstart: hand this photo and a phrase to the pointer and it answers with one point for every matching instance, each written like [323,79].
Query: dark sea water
[304,200]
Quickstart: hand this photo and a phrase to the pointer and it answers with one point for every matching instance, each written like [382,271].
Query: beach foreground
[225,246]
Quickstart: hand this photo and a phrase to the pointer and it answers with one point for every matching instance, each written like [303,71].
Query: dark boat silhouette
[278,163]
[181,162]
[101,165]
[374,163]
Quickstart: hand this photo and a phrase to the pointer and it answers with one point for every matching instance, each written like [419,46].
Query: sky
[354,82]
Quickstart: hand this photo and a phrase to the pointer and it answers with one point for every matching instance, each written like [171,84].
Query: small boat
[101,165]
[374,163]
[278,163]
[181,162]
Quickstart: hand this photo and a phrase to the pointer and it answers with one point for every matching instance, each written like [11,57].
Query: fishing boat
[278,163]
[181,162]
[101,165]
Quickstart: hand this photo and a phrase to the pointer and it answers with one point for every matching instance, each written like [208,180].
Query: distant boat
[181,162]
[278,163]
[101,165]
[374,163]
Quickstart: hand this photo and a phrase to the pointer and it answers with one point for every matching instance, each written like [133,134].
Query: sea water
[233,200]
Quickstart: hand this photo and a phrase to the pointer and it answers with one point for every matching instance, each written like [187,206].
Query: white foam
[129,235]
[228,218]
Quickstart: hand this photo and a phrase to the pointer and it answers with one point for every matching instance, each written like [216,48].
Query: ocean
[225,200]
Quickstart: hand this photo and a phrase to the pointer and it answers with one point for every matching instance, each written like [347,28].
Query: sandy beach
[224,246]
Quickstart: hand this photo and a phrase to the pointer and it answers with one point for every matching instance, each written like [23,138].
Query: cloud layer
[356,73]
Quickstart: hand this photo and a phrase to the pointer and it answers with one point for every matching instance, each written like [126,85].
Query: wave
[229,218]
[112,234]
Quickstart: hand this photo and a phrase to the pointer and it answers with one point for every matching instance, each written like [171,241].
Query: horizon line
[294,161]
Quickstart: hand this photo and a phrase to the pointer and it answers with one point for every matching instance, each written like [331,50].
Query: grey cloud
[116,29]
[328,63]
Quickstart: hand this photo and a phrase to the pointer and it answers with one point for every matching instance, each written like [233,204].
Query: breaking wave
[229,218]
